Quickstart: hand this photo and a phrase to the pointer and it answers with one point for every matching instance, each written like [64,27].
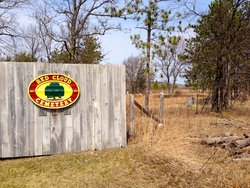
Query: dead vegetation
[173,155]
[182,138]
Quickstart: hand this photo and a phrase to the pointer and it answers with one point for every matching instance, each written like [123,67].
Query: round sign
[53,91]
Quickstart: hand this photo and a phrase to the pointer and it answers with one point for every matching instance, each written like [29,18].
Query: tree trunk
[173,85]
[220,93]
[149,29]
[168,85]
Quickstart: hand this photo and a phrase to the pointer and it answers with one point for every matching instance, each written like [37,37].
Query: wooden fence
[95,122]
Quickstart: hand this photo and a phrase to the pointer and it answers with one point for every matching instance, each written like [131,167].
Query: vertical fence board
[4,107]
[104,105]
[90,120]
[111,106]
[117,106]
[5,111]
[56,129]
[38,69]
[123,128]
[11,142]
[3,101]
[28,116]
[76,142]
[97,107]
[83,103]
[19,98]
[46,126]
[30,129]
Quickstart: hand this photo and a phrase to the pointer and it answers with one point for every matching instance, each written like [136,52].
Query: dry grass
[179,142]
[167,156]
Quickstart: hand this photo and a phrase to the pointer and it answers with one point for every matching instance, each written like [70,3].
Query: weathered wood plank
[83,109]
[56,129]
[28,116]
[43,129]
[3,102]
[38,69]
[111,78]
[104,105]
[29,129]
[90,118]
[123,106]
[117,106]
[5,110]
[76,142]
[97,107]
[19,71]
[11,123]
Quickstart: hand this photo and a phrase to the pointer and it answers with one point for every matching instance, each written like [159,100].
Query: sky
[116,45]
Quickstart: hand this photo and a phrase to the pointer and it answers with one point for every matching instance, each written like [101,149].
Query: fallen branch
[241,159]
[236,145]
[221,140]
[243,143]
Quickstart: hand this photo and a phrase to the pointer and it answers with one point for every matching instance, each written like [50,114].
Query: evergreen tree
[153,18]
[218,54]
[24,57]
[89,53]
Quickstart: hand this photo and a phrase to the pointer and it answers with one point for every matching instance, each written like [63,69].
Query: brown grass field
[167,156]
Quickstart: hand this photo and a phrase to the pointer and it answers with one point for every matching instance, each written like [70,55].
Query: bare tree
[43,16]
[31,41]
[7,17]
[8,23]
[169,59]
[72,21]
[135,74]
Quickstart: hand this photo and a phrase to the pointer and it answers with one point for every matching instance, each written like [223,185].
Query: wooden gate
[95,122]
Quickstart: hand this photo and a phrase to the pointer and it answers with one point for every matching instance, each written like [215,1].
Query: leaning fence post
[161,107]
[131,117]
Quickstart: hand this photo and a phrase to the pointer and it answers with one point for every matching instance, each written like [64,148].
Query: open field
[167,156]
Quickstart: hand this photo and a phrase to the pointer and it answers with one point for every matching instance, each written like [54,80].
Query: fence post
[131,117]
[197,103]
[161,107]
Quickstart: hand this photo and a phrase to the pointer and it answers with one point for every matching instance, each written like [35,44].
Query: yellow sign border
[53,108]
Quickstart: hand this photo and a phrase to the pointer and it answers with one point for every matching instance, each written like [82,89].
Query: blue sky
[117,45]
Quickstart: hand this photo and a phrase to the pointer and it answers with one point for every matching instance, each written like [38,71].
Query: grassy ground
[167,156]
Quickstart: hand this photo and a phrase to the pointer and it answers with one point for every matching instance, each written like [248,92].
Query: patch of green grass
[129,167]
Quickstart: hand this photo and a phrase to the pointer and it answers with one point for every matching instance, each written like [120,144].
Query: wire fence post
[197,103]
[161,108]
[131,117]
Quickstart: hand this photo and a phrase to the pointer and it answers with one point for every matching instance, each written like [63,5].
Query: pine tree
[218,54]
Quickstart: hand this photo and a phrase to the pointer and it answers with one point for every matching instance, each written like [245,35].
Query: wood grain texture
[3,102]
[104,105]
[96,121]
